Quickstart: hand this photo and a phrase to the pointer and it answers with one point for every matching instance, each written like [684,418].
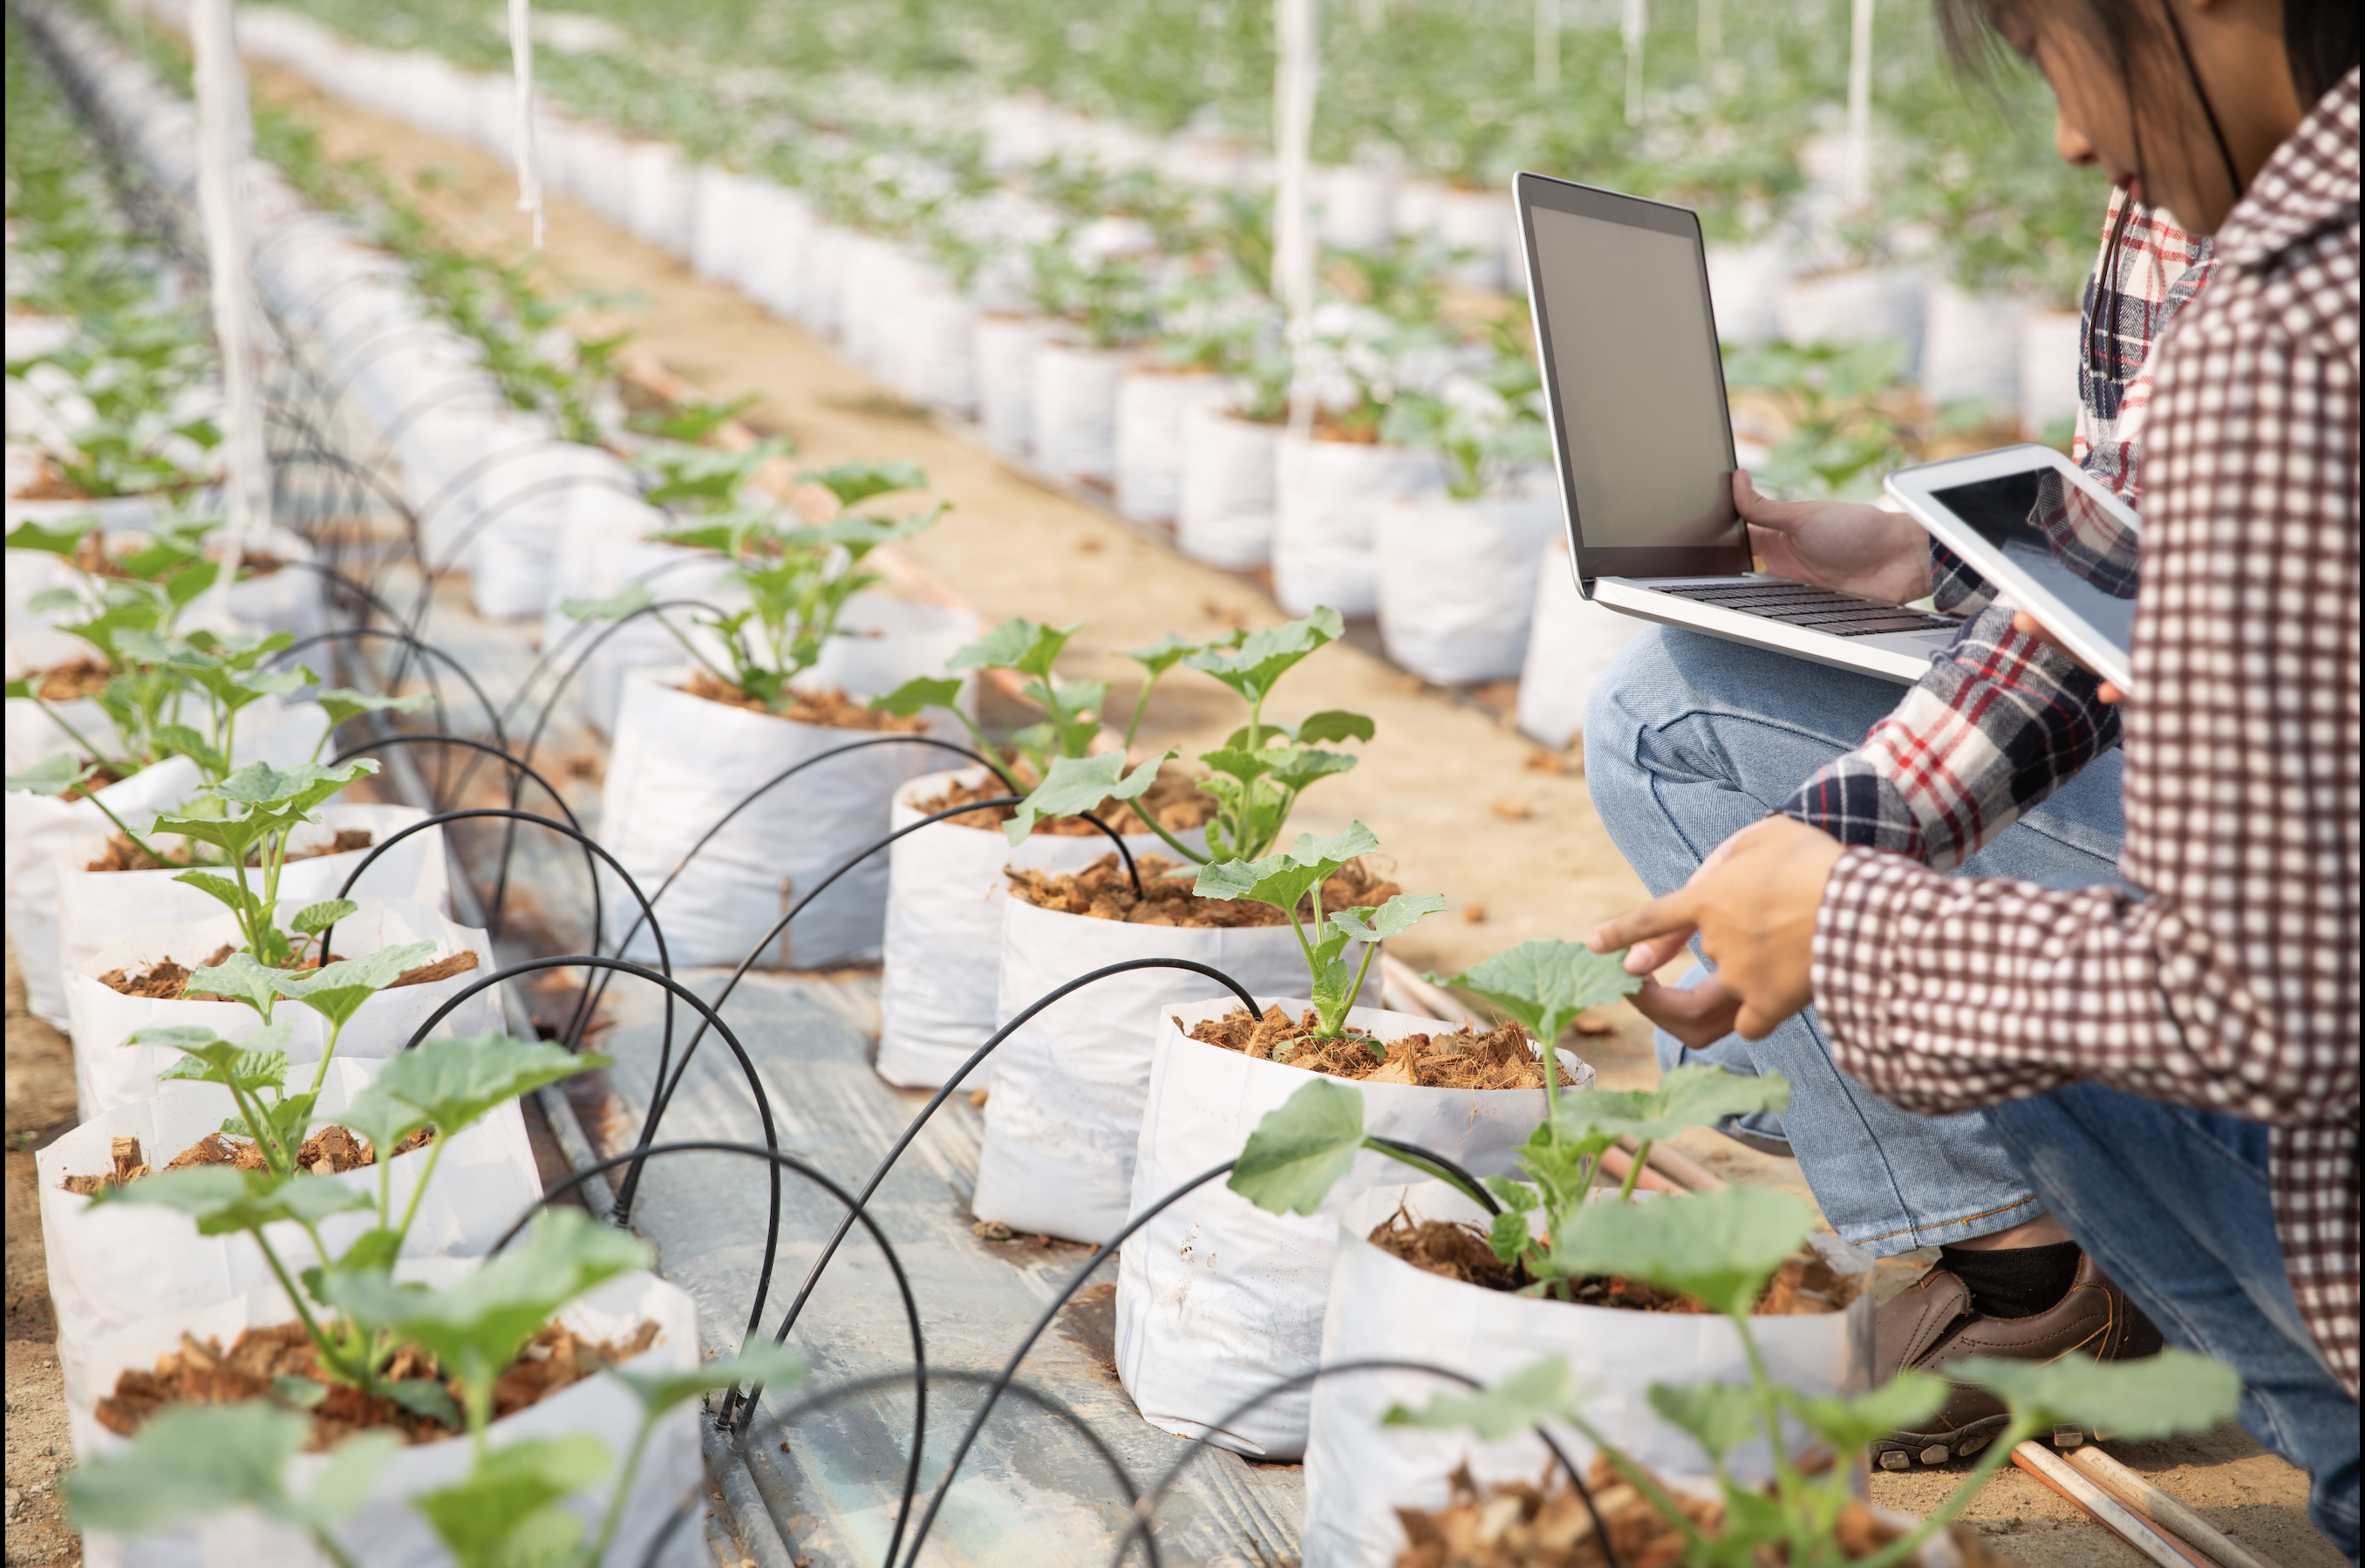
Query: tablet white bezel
[1914,489]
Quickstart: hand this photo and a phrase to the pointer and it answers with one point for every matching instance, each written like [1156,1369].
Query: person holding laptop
[2168,1064]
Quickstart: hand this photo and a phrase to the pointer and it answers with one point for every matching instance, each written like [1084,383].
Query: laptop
[1643,440]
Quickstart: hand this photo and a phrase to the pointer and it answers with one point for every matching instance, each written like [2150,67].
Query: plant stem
[320,1073]
[303,1313]
[329,1548]
[410,1210]
[1769,1405]
[615,1514]
[77,737]
[1643,1480]
[1634,1171]
[1173,842]
[2021,1428]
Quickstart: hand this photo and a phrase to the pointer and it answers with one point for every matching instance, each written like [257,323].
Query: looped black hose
[953,1080]
[1138,1527]
[837,1393]
[813,1174]
[550,703]
[673,988]
[1463,1179]
[664,1096]
[413,644]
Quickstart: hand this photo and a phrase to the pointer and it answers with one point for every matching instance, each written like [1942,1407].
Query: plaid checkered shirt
[2001,721]
[2234,984]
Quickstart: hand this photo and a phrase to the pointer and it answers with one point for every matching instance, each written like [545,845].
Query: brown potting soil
[1175,799]
[326,1152]
[122,854]
[49,485]
[1803,1287]
[833,709]
[167,979]
[1104,891]
[66,682]
[1520,1524]
[204,1374]
[1464,1059]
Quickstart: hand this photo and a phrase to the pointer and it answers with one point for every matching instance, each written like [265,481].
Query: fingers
[1779,516]
[1698,1017]
[1658,918]
[2109,695]
[1648,957]
[2028,625]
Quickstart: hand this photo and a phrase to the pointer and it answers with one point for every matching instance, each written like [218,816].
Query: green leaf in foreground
[192,1460]
[1848,1425]
[1077,784]
[1545,984]
[1541,1391]
[1687,1097]
[51,776]
[1721,1247]
[633,599]
[759,1360]
[1300,1148]
[1394,918]
[337,990]
[448,1082]
[315,918]
[242,977]
[1720,1416]
[506,1512]
[222,1199]
[2175,1391]
[917,693]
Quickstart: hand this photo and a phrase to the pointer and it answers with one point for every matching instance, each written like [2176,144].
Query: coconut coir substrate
[165,980]
[204,1374]
[1803,1287]
[327,1152]
[1104,891]
[1499,1059]
[831,709]
[122,854]
[1520,1524]
[1174,798]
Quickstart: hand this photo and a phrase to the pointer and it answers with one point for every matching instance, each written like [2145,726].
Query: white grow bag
[1972,350]
[946,893]
[679,763]
[95,907]
[1075,410]
[1455,582]
[388,1532]
[1005,379]
[1357,1473]
[109,1267]
[1325,495]
[1217,1300]
[39,827]
[1224,506]
[1571,641]
[1063,1110]
[107,1073]
[1151,406]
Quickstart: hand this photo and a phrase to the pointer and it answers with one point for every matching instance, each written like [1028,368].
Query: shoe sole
[1911,1450]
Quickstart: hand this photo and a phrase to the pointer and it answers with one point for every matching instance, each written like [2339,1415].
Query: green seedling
[63,774]
[250,816]
[1261,769]
[1296,877]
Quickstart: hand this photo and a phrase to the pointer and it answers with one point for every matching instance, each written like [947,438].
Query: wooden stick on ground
[1679,1167]
[2139,1493]
[2056,1472]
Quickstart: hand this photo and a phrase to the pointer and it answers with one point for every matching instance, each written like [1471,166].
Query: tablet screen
[2075,549]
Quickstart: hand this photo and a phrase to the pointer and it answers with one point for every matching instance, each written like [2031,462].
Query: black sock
[2013,1281]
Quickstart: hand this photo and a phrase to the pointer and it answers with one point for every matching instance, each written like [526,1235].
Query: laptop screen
[1636,387]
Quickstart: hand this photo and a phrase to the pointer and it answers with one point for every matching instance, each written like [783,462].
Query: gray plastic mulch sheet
[1032,1491]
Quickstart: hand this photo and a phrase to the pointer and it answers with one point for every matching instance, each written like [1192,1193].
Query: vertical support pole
[1292,218]
[1636,29]
[1858,172]
[225,136]
[529,159]
[1547,45]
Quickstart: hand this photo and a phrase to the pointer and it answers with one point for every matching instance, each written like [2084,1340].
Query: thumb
[1765,512]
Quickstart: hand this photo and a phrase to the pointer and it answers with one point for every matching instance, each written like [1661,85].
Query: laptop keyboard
[1812,609]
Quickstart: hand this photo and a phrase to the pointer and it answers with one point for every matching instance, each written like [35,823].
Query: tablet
[2052,541]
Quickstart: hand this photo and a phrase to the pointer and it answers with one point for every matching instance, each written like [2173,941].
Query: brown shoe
[1931,1324]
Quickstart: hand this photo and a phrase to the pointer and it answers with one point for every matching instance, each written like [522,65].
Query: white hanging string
[1547,44]
[1292,224]
[1636,28]
[1857,172]
[529,159]
[225,134]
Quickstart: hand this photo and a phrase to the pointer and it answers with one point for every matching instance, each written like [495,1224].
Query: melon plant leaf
[854,483]
[1848,1425]
[1541,1391]
[1721,1247]
[1259,660]
[1076,784]
[184,740]
[221,888]
[224,1199]
[1164,655]
[919,692]
[337,990]
[191,1461]
[1334,725]
[1295,767]
[52,775]
[1238,762]
[628,601]
[342,1487]
[258,1061]
[504,1513]
[759,1360]
[1394,918]
[1506,1233]
[1300,1148]
[1687,1097]
[341,704]
[425,1396]
[313,919]
[1720,1415]
[2175,1391]
[240,977]
[1545,984]
[450,1081]
[293,792]
[63,540]
[1017,644]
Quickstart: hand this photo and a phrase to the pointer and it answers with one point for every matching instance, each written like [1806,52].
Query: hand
[1754,903]
[1836,544]
[2026,624]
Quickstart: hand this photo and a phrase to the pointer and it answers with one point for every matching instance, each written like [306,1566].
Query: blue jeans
[2173,1203]
[1688,739]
